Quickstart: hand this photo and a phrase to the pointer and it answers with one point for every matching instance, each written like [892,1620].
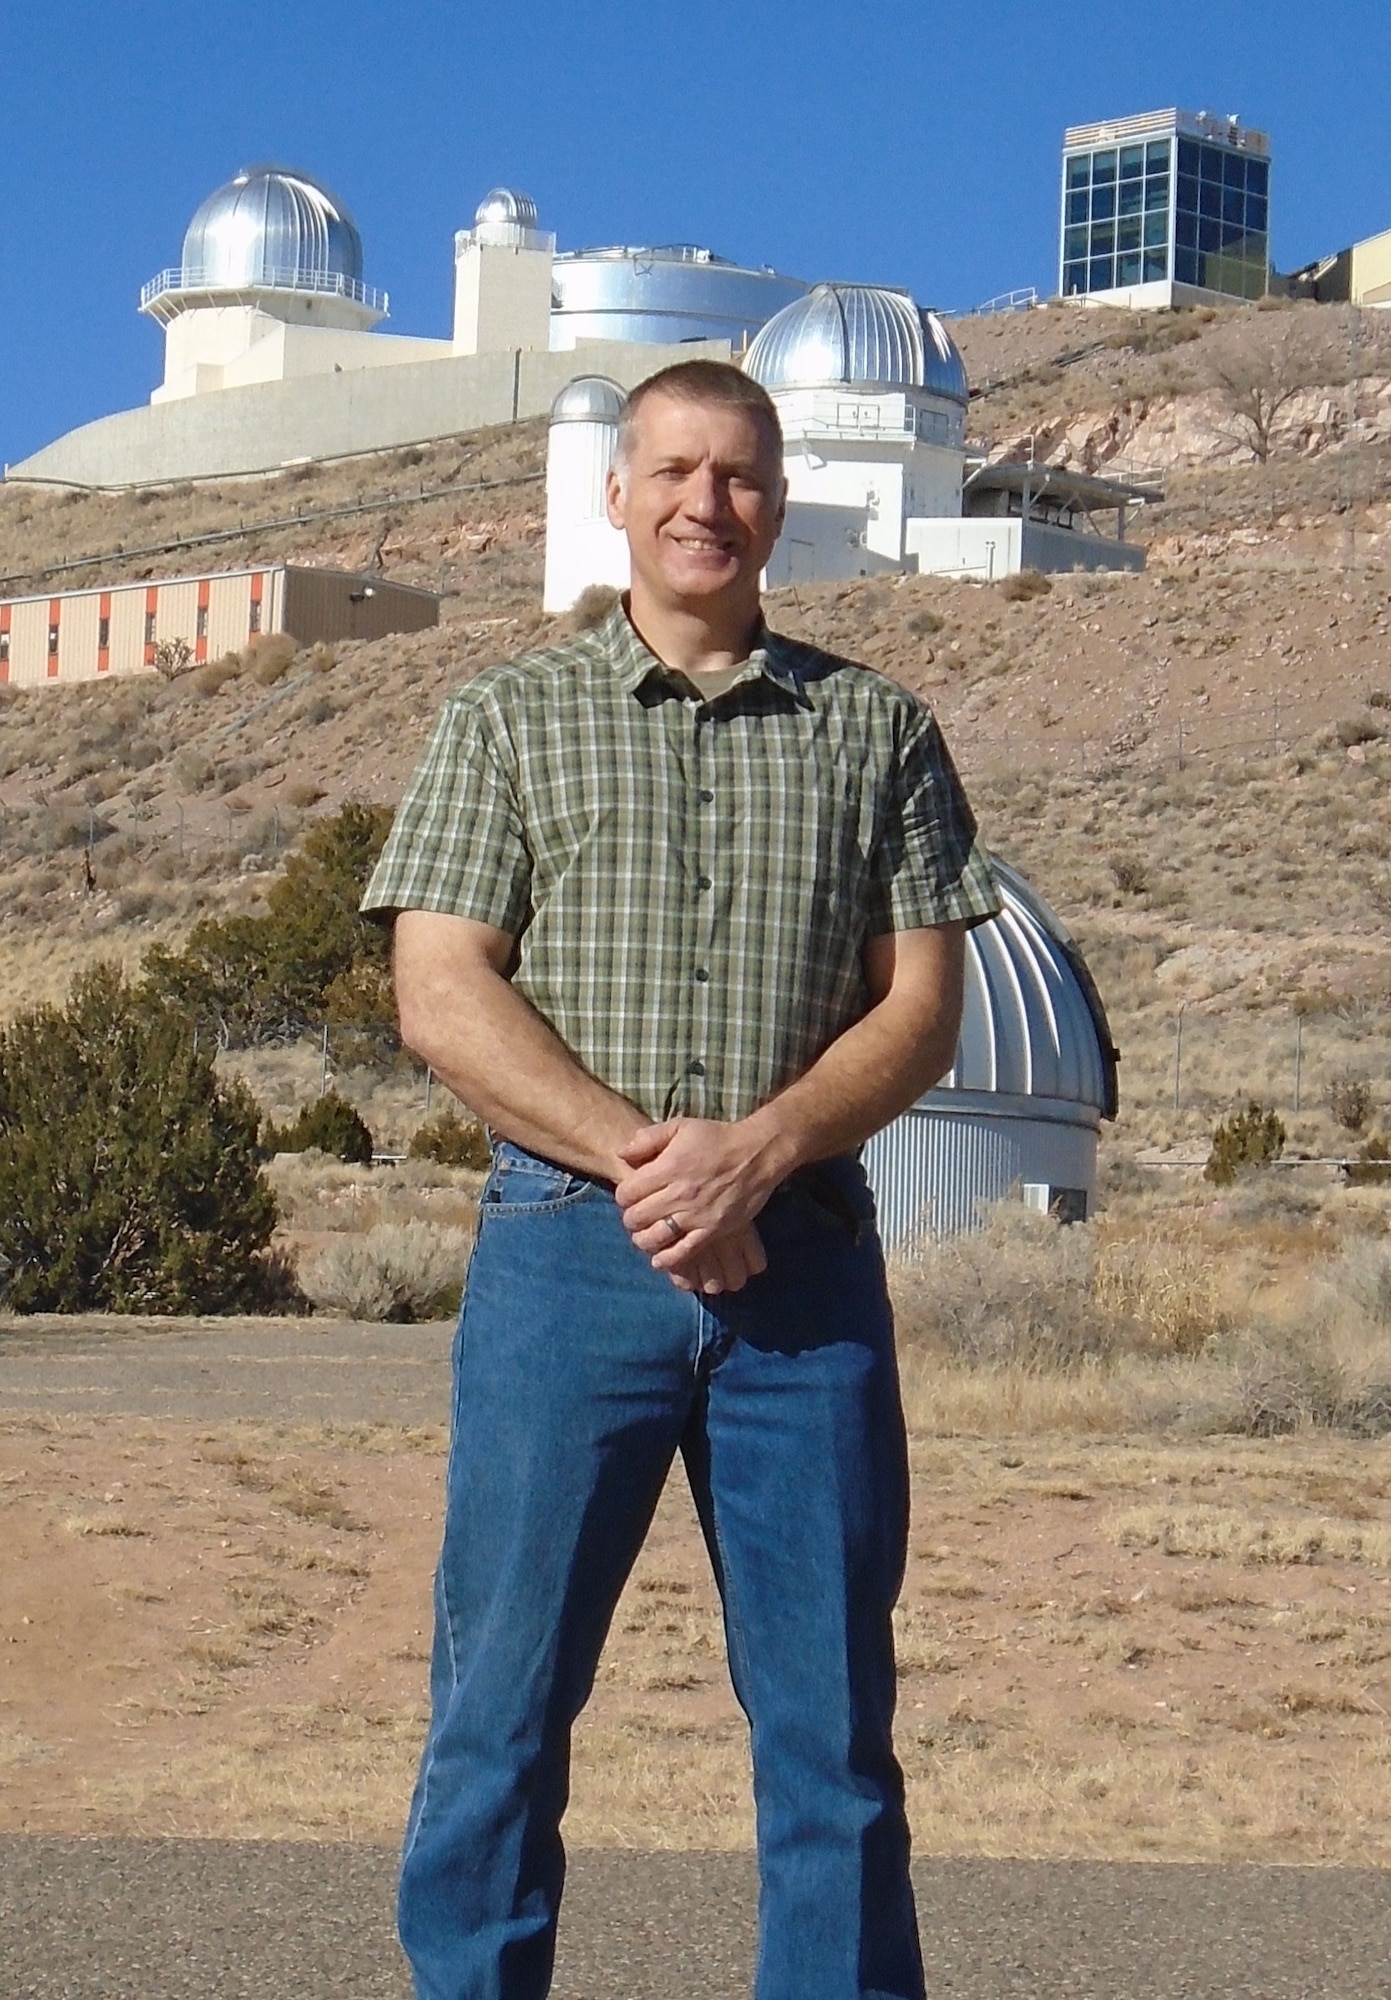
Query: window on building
[103,635]
[52,641]
[255,619]
[149,628]
[4,646]
[201,628]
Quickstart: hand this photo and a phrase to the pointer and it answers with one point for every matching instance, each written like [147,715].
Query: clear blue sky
[887,141]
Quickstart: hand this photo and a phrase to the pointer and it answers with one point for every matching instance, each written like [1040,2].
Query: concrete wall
[232,347]
[820,544]
[502,298]
[258,428]
[983,548]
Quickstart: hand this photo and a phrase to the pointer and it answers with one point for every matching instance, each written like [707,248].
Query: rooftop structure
[858,337]
[268,230]
[1167,208]
[1034,1074]
[667,294]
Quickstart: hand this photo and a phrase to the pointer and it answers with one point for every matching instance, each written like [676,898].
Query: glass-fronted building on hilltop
[1168,208]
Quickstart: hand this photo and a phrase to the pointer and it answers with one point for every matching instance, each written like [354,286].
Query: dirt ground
[1125,1649]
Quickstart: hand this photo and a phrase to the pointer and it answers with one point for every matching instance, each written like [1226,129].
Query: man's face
[700,499]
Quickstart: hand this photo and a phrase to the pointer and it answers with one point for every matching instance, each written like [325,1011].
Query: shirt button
[702,975]
[695,1069]
[705,795]
[704,882]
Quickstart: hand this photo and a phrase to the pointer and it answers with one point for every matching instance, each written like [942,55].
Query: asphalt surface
[244,1920]
[211,1370]
[212,1920]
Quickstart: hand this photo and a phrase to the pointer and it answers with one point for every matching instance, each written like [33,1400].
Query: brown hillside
[1191,763]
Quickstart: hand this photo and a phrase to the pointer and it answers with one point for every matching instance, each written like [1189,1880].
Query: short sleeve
[928,867]
[457,845]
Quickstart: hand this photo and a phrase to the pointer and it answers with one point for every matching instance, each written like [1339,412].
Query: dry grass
[1216,1534]
[396,1271]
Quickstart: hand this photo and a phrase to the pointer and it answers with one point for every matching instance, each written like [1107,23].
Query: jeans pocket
[523,1183]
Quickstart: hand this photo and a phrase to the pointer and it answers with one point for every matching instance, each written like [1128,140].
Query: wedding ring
[677,1232]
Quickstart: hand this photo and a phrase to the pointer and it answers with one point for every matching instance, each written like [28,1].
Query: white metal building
[1021,1109]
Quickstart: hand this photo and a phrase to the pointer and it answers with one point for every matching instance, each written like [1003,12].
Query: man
[679,912]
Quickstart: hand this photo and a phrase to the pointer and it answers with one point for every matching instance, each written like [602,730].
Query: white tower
[582,545]
[502,278]
[270,254]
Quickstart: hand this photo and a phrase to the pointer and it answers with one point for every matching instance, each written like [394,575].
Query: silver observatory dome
[268,229]
[857,337]
[589,399]
[507,205]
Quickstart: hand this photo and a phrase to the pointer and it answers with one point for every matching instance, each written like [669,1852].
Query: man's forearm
[866,1078]
[494,1051]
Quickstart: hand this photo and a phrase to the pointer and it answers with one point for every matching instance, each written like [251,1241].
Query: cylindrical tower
[582,545]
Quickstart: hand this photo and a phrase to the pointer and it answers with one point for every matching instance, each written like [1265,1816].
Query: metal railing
[275,278]
[1019,300]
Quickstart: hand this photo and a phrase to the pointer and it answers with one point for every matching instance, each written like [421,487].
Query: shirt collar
[633,662]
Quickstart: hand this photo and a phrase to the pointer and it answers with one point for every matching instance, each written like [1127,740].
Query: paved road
[278,1370]
[214,1920]
[188,1920]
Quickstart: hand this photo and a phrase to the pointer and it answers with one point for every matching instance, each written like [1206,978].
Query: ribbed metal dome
[507,205]
[589,399]
[272,227]
[858,337]
[1033,1023]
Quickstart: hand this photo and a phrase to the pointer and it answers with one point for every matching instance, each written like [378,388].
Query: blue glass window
[1103,167]
[1103,238]
[1156,230]
[1074,279]
[1101,273]
[1128,234]
[1128,270]
[1079,170]
[1156,266]
[1074,243]
[1103,202]
[1257,212]
[1233,205]
[1132,162]
[1157,155]
[1188,152]
[1209,163]
[1210,199]
[1132,197]
[1234,170]
[1188,194]
[1258,177]
[1077,205]
[1186,267]
[1157,192]
[1186,230]
[1209,234]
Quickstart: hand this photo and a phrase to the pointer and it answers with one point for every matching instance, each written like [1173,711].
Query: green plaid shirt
[691,882]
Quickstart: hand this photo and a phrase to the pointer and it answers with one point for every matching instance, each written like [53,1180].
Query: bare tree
[1257,367]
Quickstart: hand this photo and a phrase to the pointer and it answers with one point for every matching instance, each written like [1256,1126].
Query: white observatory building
[269,287]
[872,394]
[1020,1111]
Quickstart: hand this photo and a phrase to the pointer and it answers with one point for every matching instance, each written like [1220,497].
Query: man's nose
[704,494]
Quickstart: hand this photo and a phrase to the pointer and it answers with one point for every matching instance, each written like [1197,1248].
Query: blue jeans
[579,1373]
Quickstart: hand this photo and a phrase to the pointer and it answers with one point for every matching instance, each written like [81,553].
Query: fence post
[1298,1059]
[323,1064]
[275,830]
[1178,1056]
[429,1087]
[1180,743]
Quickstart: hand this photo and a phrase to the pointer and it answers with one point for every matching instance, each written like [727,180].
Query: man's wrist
[777,1142]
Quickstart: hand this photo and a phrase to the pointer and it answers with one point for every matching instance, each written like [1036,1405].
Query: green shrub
[129,1175]
[249,979]
[329,1125]
[1252,1137]
[452,1141]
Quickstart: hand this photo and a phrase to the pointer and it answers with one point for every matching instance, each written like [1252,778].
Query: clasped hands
[690,1197]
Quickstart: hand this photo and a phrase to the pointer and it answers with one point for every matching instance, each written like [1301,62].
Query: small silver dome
[1033,1024]
[858,337]
[506,205]
[589,399]
[274,228]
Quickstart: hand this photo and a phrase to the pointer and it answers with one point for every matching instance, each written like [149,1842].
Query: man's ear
[613,496]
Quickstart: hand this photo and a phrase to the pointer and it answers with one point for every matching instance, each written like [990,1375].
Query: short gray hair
[716,383]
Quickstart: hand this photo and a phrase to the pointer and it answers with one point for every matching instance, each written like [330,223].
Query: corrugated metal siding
[932,1170]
